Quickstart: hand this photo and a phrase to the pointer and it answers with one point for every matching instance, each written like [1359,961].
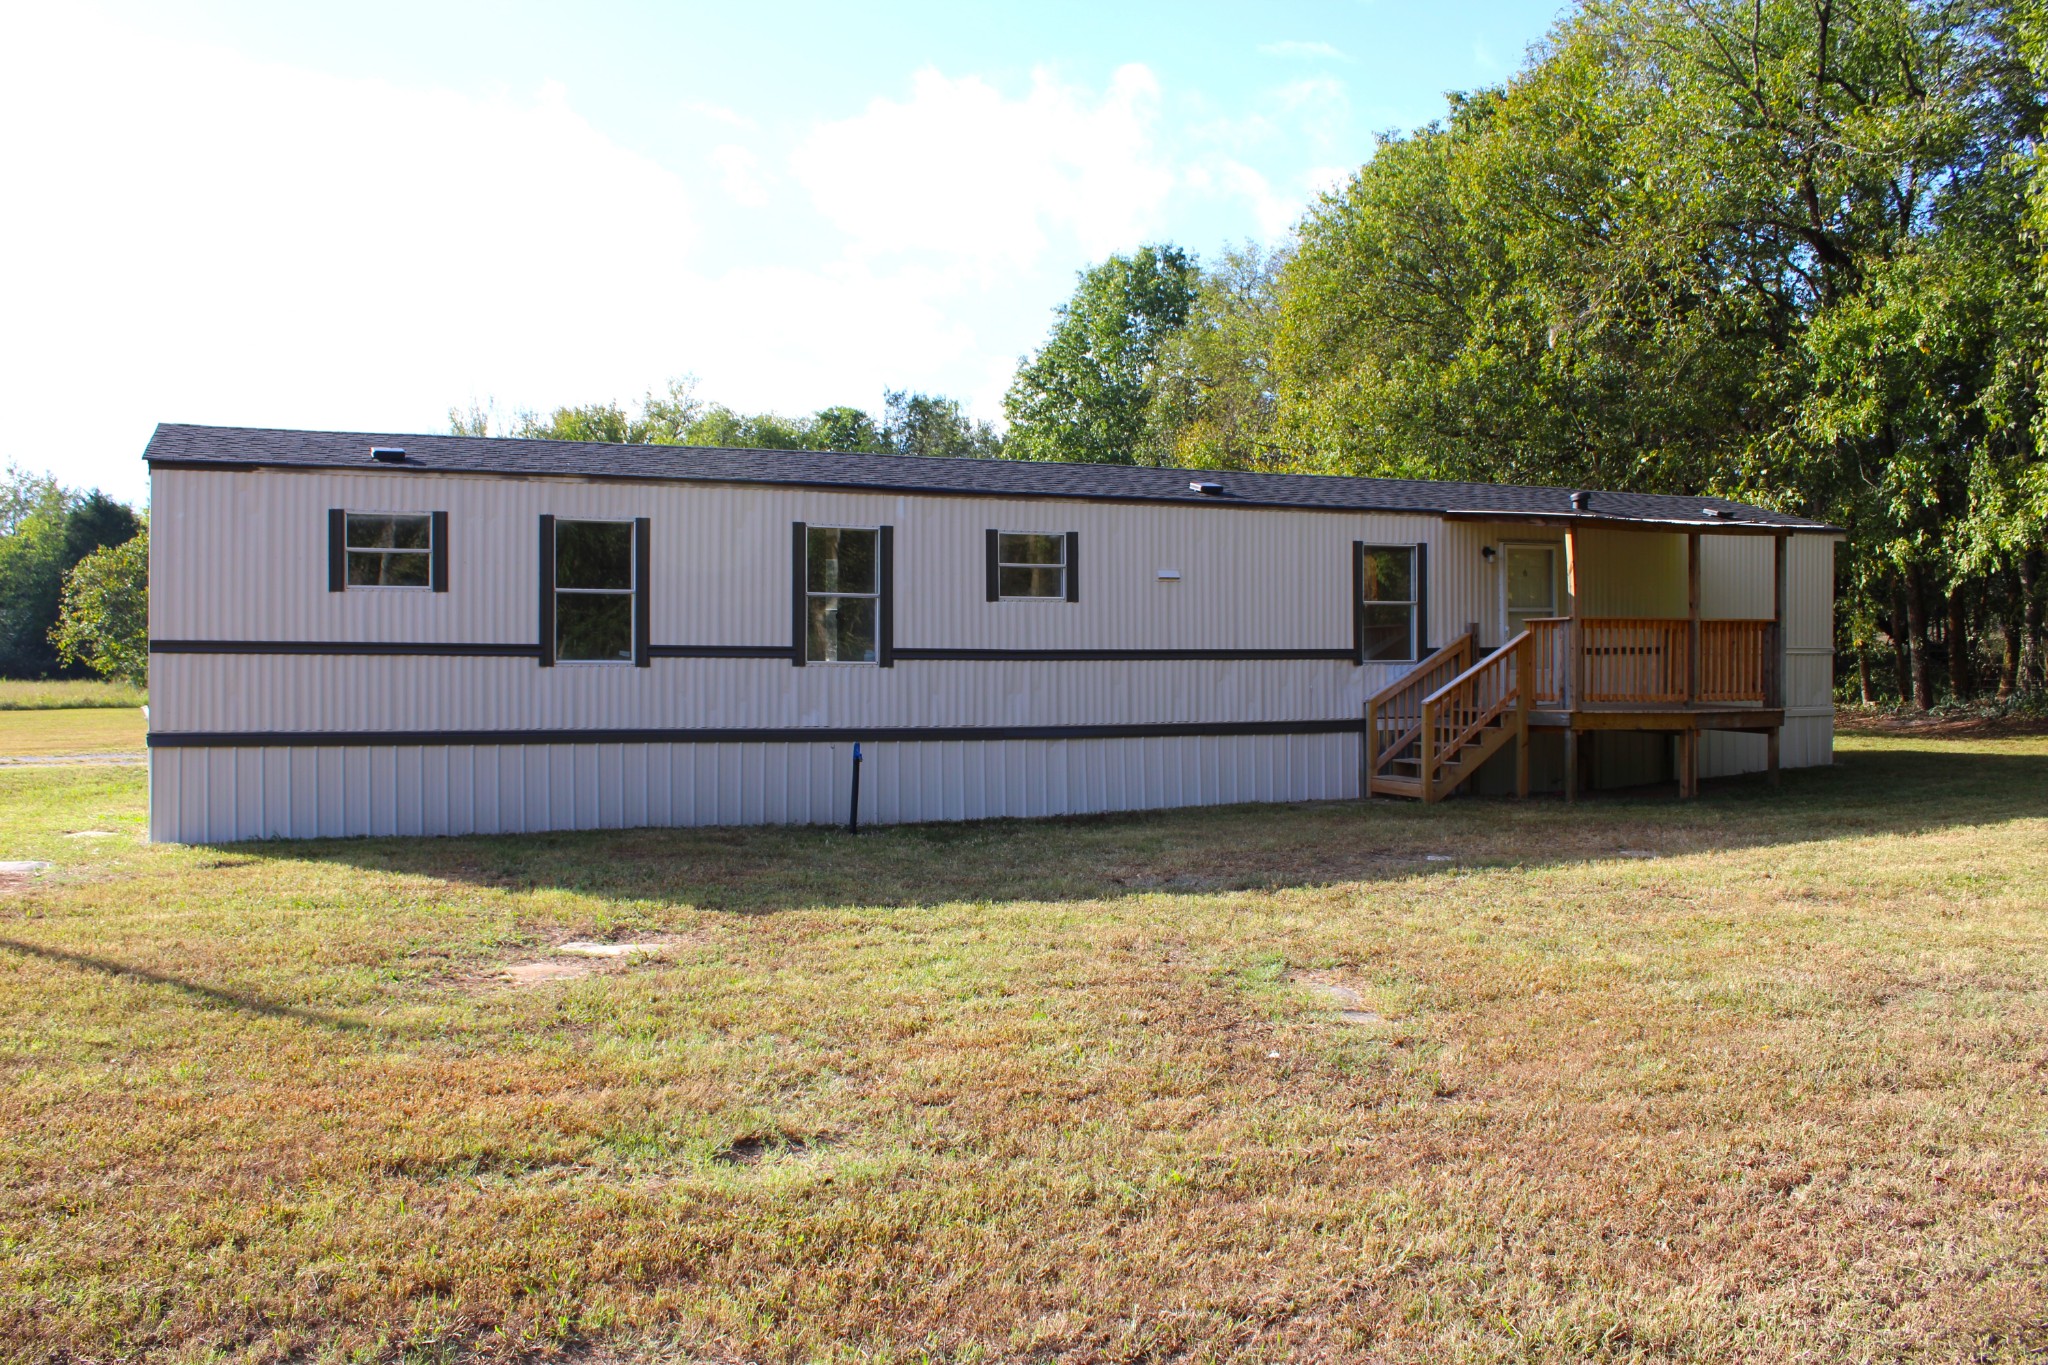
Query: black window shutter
[885,609]
[547,591]
[437,562]
[1358,602]
[1073,566]
[797,587]
[1422,649]
[995,582]
[643,611]
[337,550]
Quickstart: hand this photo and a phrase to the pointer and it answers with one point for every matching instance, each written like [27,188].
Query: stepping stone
[92,834]
[1438,858]
[583,949]
[22,869]
[1350,1004]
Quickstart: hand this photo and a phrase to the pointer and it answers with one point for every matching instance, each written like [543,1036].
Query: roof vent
[1581,501]
[388,454]
[1717,513]
[1206,488]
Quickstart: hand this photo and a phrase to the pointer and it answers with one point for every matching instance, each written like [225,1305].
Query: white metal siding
[240,556]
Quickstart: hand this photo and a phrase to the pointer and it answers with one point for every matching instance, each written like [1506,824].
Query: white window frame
[1413,601]
[874,597]
[630,593]
[346,550]
[1002,564]
[1557,602]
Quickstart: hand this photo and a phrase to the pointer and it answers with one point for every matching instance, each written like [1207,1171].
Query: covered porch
[1609,662]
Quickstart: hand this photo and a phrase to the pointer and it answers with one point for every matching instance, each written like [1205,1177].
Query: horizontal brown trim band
[806,734]
[472,651]
[1127,655]
[736,651]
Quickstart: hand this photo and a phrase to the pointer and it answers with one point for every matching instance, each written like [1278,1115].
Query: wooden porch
[1581,676]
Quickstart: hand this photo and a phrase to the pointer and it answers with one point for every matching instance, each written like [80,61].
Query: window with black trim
[843,589]
[1387,603]
[389,549]
[1031,565]
[596,578]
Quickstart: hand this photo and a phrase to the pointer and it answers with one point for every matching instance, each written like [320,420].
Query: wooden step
[1386,785]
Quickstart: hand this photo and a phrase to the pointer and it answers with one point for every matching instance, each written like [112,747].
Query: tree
[1084,396]
[1213,401]
[103,622]
[925,424]
[34,511]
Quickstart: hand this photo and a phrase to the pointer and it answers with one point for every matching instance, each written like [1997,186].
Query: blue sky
[358,216]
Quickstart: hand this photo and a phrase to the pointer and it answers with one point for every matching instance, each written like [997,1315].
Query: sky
[360,216]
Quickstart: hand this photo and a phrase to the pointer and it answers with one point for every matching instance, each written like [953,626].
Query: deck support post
[1571,762]
[1771,755]
[1688,763]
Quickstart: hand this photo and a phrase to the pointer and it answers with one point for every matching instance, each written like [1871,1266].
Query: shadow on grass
[207,995]
[1206,849]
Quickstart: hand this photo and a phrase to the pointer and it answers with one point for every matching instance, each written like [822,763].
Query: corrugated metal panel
[224,795]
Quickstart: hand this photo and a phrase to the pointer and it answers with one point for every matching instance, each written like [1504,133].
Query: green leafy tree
[1084,396]
[103,620]
[1213,401]
[925,424]
[34,517]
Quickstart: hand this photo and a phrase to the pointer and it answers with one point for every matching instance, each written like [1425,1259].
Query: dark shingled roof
[250,448]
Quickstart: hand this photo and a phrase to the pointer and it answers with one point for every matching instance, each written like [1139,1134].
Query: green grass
[53,734]
[1062,1091]
[19,695]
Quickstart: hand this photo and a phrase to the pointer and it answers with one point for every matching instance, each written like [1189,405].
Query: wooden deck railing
[1393,716]
[1457,715]
[1648,661]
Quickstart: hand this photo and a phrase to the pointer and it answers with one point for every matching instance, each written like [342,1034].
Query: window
[842,594]
[1528,585]
[595,583]
[1387,584]
[388,550]
[1029,564]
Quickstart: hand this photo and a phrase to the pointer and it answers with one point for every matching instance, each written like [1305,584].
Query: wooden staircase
[1429,732]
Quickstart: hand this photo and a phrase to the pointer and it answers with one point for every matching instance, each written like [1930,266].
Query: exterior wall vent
[388,454]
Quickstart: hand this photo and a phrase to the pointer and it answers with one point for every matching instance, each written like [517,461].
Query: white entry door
[1528,585]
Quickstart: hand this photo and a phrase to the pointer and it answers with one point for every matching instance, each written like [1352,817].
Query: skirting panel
[221,795]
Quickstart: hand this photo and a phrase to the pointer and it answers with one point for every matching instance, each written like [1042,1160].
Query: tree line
[74,573]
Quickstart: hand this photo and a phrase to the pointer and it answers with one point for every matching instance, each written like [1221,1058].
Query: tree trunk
[1902,670]
[2009,666]
[1863,674]
[1962,660]
[2031,643]
[1916,636]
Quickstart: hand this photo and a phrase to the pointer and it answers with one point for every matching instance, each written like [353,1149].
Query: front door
[1528,582]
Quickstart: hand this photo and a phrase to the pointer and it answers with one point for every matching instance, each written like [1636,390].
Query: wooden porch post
[1426,750]
[1771,755]
[1522,681]
[1778,596]
[1368,751]
[1688,763]
[1575,645]
[1692,613]
[1571,761]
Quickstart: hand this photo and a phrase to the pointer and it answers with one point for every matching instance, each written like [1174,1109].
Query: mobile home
[362,634]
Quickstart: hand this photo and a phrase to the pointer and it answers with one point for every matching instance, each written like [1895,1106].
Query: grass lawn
[1763,1077]
[19,695]
[48,733]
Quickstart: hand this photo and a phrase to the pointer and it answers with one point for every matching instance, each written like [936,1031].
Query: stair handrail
[1456,653]
[1436,750]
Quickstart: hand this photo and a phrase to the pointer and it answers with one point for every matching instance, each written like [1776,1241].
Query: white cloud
[718,113]
[742,174]
[1322,51]
[962,172]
